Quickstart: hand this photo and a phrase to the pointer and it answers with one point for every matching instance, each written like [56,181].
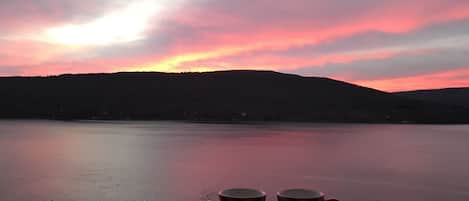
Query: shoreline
[221,122]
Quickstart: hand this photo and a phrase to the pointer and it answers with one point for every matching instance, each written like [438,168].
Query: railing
[247,194]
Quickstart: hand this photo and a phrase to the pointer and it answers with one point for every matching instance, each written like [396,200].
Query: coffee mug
[241,194]
[299,194]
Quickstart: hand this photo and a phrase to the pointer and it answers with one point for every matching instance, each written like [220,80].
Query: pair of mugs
[247,194]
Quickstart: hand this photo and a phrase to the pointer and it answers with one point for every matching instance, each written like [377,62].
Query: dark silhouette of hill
[449,96]
[212,96]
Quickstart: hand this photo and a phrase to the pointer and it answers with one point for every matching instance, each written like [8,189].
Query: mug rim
[319,194]
[261,193]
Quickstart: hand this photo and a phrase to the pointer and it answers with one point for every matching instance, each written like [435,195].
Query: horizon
[230,70]
[385,45]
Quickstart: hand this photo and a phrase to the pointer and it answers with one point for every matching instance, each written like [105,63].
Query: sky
[390,45]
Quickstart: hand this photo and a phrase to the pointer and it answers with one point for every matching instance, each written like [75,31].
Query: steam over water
[175,161]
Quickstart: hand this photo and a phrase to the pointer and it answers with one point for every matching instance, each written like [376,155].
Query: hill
[212,96]
[450,96]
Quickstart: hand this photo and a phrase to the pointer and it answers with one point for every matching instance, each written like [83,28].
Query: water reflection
[43,160]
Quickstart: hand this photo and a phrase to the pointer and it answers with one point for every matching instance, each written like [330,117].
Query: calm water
[170,161]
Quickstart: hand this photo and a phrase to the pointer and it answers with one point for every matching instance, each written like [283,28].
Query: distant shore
[224,96]
[226,122]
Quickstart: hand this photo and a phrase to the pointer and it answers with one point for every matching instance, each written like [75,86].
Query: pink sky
[389,45]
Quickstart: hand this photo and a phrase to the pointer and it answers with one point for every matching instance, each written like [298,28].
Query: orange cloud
[27,52]
[215,46]
[447,79]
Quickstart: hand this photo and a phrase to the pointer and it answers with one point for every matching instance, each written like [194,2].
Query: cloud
[445,79]
[8,70]
[22,15]
[417,52]
[209,27]
[376,40]
[362,40]
[400,65]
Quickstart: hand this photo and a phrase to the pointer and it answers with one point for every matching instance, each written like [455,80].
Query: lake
[178,161]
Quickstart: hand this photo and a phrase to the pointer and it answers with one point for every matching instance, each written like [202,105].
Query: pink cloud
[447,79]
[219,35]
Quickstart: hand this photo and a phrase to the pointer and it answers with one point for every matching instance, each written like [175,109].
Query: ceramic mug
[299,194]
[241,194]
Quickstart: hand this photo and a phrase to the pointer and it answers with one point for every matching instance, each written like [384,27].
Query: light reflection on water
[171,161]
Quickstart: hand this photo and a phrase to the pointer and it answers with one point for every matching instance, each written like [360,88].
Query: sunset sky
[389,45]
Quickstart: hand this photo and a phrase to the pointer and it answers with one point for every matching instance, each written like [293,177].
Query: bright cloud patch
[121,26]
